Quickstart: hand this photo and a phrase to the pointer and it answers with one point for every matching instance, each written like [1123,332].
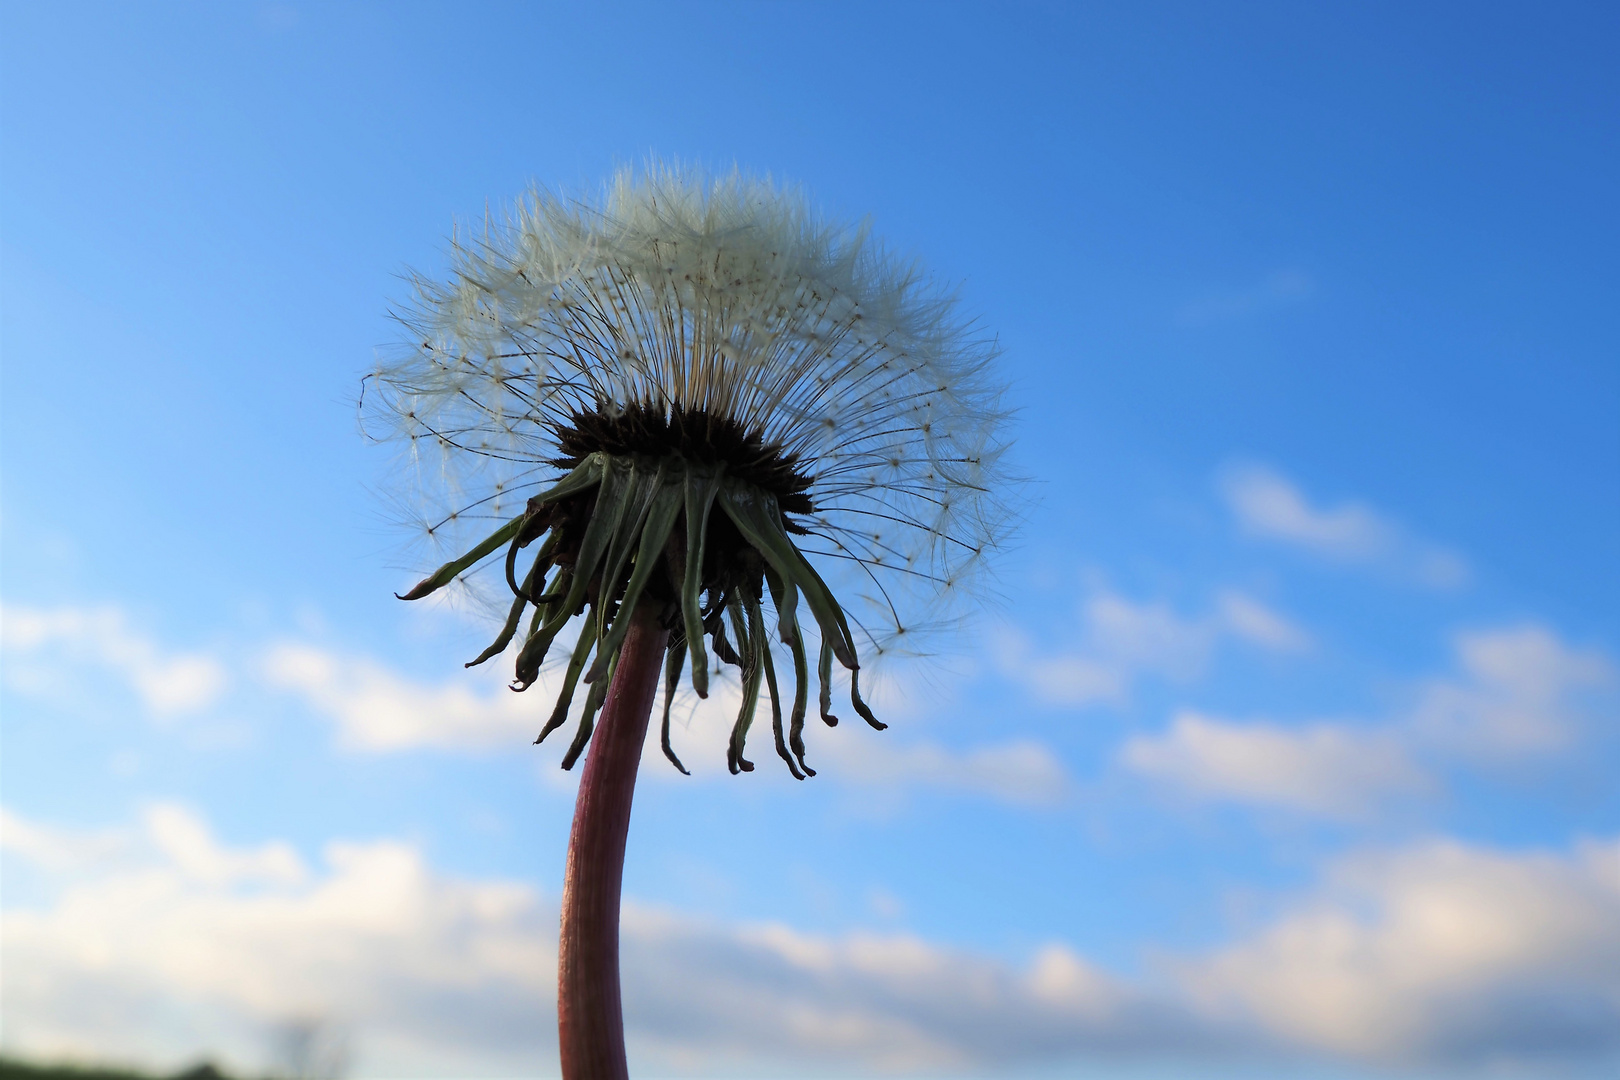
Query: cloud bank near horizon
[158,939]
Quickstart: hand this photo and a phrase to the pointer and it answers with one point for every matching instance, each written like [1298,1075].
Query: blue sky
[1290,750]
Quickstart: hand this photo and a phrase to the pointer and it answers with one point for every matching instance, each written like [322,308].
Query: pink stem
[590,1017]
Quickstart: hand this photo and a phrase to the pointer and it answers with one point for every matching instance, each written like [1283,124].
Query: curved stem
[590,1018]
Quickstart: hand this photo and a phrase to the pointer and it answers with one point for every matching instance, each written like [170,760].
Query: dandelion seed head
[722,295]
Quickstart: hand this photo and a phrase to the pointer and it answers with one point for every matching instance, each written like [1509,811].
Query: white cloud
[167,831]
[186,843]
[1269,505]
[379,709]
[1442,951]
[1328,769]
[1518,691]
[1121,640]
[45,649]
[57,850]
[1519,694]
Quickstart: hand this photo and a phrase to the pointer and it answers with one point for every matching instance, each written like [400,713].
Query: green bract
[622,531]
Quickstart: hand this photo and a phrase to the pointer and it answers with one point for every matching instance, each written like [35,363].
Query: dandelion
[696,397]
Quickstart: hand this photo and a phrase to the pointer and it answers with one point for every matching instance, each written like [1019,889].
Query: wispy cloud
[1439,953]
[1275,290]
[1516,696]
[1268,505]
[1121,640]
[1022,772]
[1518,690]
[47,649]
[1329,769]
[1242,616]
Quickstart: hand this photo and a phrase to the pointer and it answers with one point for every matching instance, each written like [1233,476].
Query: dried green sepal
[860,706]
[617,542]
[752,669]
[530,586]
[824,674]
[576,664]
[756,622]
[700,489]
[655,530]
[722,648]
[801,694]
[756,516]
[548,620]
[604,523]
[587,722]
[642,487]
[673,662]
[447,573]
[583,477]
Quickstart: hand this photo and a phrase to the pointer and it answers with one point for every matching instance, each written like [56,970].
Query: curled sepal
[515,616]
[760,521]
[655,530]
[762,649]
[701,486]
[447,573]
[534,526]
[673,662]
[587,474]
[860,706]
[587,722]
[752,669]
[543,628]
[801,695]
[576,664]
[824,673]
